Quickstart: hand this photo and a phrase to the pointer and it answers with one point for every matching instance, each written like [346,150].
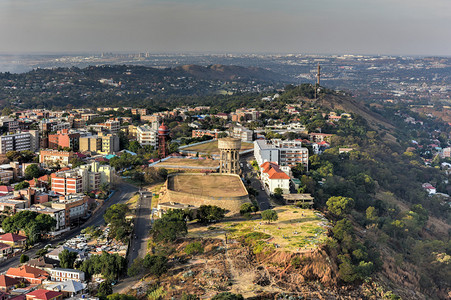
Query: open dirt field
[212,147]
[296,230]
[210,185]
[187,162]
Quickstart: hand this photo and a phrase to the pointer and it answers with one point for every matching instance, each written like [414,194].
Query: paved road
[262,198]
[141,229]
[124,192]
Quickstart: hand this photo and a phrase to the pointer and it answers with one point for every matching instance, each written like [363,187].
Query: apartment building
[200,133]
[59,274]
[82,179]
[139,111]
[50,158]
[16,142]
[101,143]
[6,176]
[146,135]
[64,139]
[240,132]
[283,153]
[320,137]
[58,214]
[75,206]
[112,126]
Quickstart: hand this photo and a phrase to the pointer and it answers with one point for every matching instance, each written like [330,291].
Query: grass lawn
[133,202]
[296,230]
[212,147]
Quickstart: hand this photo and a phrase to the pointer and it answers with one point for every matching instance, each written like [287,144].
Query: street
[249,173]
[124,192]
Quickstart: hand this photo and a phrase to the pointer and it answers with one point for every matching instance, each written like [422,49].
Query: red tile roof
[27,272]
[44,294]
[6,189]
[274,171]
[11,237]
[4,246]
[6,281]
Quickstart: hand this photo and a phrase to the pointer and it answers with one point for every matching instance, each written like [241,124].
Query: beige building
[49,158]
[101,143]
[74,205]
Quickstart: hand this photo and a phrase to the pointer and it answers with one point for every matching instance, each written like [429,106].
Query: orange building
[64,139]
[54,157]
[28,274]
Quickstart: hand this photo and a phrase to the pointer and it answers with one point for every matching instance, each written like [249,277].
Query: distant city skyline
[384,27]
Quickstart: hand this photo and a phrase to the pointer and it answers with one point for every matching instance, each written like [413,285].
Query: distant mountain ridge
[230,72]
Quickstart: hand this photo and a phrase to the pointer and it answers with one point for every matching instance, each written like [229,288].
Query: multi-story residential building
[58,214]
[200,133]
[101,143]
[53,125]
[50,158]
[59,274]
[139,111]
[147,136]
[112,126]
[9,203]
[69,182]
[64,139]
[273,177]
[6,176]
[240,132]
[75,207]
[283,153]
[319,137]
[150,118]
[82,179]
[16,142]
[10,123]
[87,117]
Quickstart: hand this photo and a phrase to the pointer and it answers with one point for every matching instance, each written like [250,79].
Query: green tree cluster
[67,259]
[170,226]
[120,227]
[269,215]
[210,213]
[110,266]
[32,223]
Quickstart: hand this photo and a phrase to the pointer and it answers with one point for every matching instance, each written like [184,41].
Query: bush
[227,296]
[24,258]
[194,248]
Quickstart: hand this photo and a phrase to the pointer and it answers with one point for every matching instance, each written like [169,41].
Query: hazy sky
[408,27]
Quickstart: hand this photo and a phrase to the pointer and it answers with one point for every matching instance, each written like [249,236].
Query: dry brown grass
[209,185]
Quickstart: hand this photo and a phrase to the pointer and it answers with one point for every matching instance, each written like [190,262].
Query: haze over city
[415,27]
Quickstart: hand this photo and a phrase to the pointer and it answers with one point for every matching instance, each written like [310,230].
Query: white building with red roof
[273,177]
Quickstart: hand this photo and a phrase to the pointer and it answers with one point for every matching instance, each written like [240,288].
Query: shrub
[194,248]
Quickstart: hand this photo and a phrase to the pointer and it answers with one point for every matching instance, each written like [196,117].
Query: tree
[339,205]
[67,259]
[32,223]
[120,227]
[32,171]
[24,258]
[104,289]
[6,111]
[21,185]
[247,208]
[171,226]
[227,296]
[210,213]
[109,265]
[41,252]
[157,265]
[134,146]
[117,296]
[270,215]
